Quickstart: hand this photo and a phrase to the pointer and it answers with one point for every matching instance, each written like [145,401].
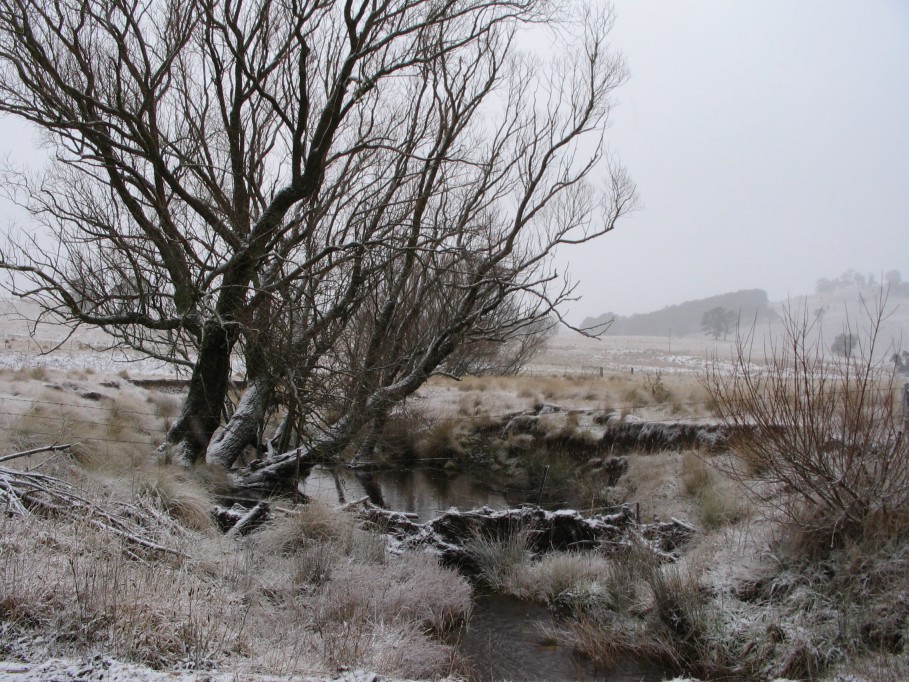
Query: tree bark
[200,417]
[368,446]
[243,427]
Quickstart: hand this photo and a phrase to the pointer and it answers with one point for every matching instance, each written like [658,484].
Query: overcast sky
[769,140]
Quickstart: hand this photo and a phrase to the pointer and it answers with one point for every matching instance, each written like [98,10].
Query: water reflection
[425,492]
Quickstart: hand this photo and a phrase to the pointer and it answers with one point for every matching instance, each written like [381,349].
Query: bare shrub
[653,381]
[820,439]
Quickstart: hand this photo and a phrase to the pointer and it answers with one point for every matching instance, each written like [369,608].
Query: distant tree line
[851,279]
[749,305]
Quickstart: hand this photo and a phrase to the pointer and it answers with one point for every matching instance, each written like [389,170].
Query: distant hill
[685,318]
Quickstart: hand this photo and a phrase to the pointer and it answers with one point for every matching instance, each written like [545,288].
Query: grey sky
[769,140]
[770,144]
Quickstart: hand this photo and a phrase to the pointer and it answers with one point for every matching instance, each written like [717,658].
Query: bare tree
[250,181]
[719,322]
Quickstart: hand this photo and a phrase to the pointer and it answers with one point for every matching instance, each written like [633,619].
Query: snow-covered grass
[313,590]
[69,589]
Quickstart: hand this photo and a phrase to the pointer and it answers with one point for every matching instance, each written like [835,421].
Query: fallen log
[451,533]
[250,520]
[276,473]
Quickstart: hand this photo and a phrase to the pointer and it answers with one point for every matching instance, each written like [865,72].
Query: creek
[506,638]
[424,492]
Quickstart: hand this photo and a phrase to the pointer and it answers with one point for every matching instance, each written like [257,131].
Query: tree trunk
[368,446]
[243,427]
[200,417]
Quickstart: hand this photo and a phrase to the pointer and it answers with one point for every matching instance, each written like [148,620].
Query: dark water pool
[424,492]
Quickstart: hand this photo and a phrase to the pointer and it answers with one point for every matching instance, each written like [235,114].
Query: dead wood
[250,520]
[34,451]
[563,530]
[25,492]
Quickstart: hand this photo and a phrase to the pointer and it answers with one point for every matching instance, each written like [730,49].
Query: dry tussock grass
[177,493]
[720,499]
[442,439]
[237,604]
[249,605]
[316,530]
[654,393]
[114,424]
[561,575]
[77,588]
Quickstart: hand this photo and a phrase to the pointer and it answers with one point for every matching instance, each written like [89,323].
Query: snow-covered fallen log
[563,530]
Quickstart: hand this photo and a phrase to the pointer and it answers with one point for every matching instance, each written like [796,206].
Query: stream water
[505,638]
[424,492]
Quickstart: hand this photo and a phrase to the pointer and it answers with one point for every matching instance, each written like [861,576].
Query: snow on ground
[103,669]
[101,362]
[572,353]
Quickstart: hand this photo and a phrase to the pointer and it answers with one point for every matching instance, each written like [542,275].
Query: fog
[770,144]
[769,141]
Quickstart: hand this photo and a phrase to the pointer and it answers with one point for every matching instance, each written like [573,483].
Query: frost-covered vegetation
[779,580]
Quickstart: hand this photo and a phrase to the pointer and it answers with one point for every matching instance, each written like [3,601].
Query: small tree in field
[844,344]
[820,441]
[719,322]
